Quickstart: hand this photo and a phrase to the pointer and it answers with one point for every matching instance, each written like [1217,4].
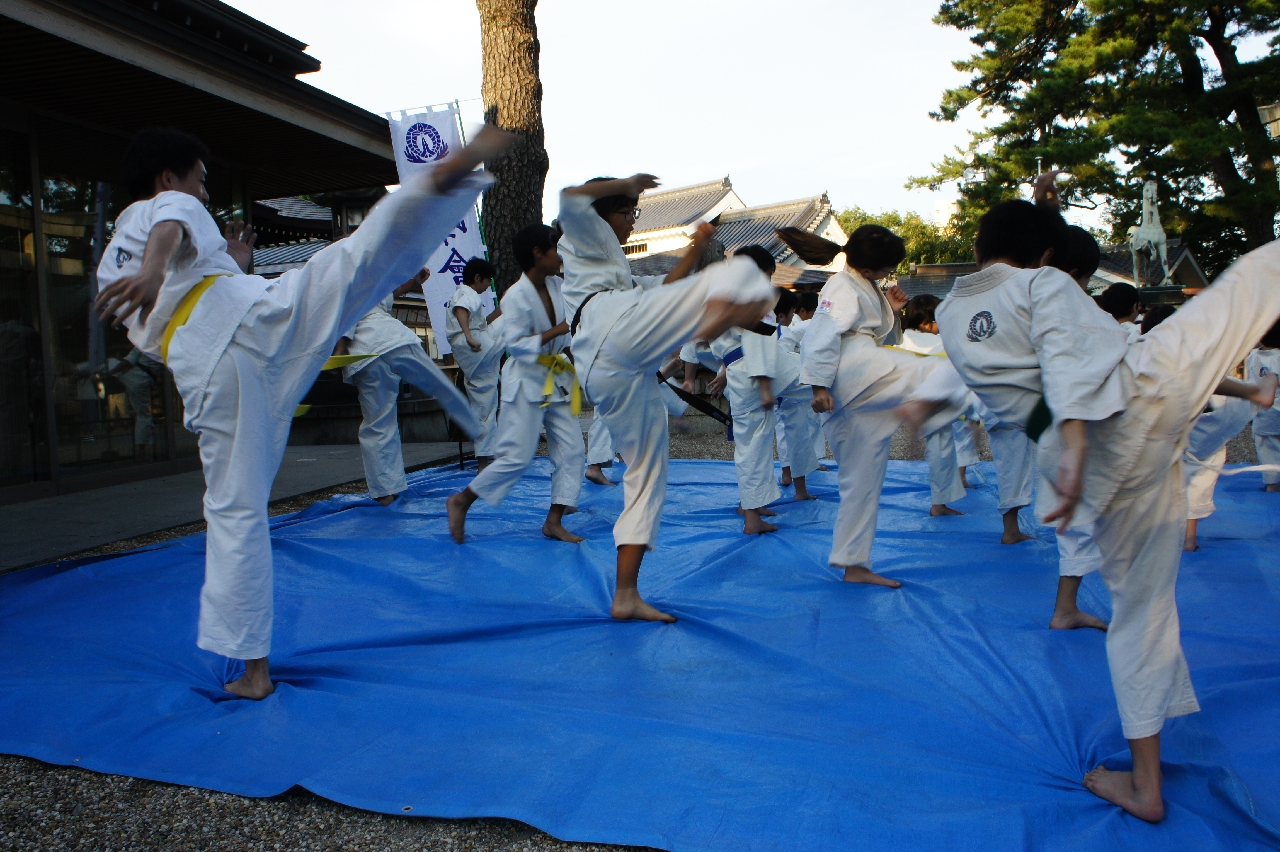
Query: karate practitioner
[244,350]
[859,382]
[537,391]
[789,341]
[476,350]
[624,327]
[920,335]
[1112,419]
[757,376]
[401,357]
[1265,361]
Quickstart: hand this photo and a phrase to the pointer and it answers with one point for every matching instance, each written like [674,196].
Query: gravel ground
[46,807]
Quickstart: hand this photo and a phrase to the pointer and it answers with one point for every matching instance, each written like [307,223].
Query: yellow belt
[921,354]
[556,364]
[183,313]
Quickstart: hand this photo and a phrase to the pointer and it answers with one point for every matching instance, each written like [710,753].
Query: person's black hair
[1019,231]
[869,247]
[1080,254]
[1156,315]
[1272,337]
[477,266]
[155,150]
[919,310]
[533,237]
[761,256]
[787,301]
[612,203]
[1120,299]
[808,301]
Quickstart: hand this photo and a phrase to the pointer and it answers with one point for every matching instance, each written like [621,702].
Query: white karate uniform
[522,416]
[753,425]
[479,369]
[1225,418]
[1266,423]
[599,443]
[244,359]
[1014,456]
[400,357]
[945,485]
[843,351]
[966,444]
[625,333]
[1016,334]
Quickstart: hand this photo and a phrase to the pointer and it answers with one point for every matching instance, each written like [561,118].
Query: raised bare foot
[1075,620]
[632,607]
[756,526]
[255,684]
[859,574]
[1015,537]
[387,500]
[596,474]
[557,531]
[1266,394]
[457,508]
[937,510]
[1117,788]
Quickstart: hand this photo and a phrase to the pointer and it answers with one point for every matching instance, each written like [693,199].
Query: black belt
[577,315]
[699,403]
[764,328]
[1041,418]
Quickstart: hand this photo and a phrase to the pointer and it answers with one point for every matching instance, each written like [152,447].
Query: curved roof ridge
[693,189]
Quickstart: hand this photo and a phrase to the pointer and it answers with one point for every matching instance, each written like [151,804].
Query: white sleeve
[591,235]
[759,355]
[202,231]
[648,282]
[1252,366]
[689,352]
[820,351]
[1078,348]
[519,335]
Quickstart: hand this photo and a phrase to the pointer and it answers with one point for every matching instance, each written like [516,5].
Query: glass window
[24,451]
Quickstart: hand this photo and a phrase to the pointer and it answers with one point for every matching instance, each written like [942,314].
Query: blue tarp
[786,710]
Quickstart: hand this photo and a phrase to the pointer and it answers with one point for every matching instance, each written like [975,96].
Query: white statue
[1148,238]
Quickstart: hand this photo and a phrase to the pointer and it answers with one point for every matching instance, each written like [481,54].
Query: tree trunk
[512,96]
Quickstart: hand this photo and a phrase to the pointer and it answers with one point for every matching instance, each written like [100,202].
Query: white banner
[419,141]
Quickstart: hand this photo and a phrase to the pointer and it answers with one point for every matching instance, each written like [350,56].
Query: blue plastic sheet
[786,710]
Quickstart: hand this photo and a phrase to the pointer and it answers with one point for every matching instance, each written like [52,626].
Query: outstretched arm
[632,186]
[701,237]
[489,143]
[1261,393]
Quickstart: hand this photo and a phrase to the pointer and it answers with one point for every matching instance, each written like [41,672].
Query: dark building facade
[79,407]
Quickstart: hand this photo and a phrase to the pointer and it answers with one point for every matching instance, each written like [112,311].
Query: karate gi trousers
[599,444]
[243,413]
[1208,443]
[1078,552]
[966,444]
[944,469]
[1014,455]
[379,387]
[520,422]
[480,372]
[1268,447]
[860,433]
[1176,368]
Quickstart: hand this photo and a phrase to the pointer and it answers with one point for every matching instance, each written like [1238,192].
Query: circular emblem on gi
[422,144]
[982,326]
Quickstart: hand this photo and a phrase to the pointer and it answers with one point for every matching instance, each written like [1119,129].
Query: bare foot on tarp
[571,510]
[1118,789]
[457,507]
[859,574]
[558,532]
[387,500]
[255,684]
[1075,620]
[1015,537]
[596,474]
[803,493]
[786,477]
[937,510]
[629,606]
[757,526]
[767,513]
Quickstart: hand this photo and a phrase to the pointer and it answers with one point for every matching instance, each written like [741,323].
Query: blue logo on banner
[423,144]
[454,263]
[982,326]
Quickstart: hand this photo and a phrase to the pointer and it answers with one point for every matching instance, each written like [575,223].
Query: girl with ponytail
[857,382]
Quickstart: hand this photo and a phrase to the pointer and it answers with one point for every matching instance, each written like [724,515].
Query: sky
[787,99]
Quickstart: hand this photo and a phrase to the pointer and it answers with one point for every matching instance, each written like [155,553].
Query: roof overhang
[107,64]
